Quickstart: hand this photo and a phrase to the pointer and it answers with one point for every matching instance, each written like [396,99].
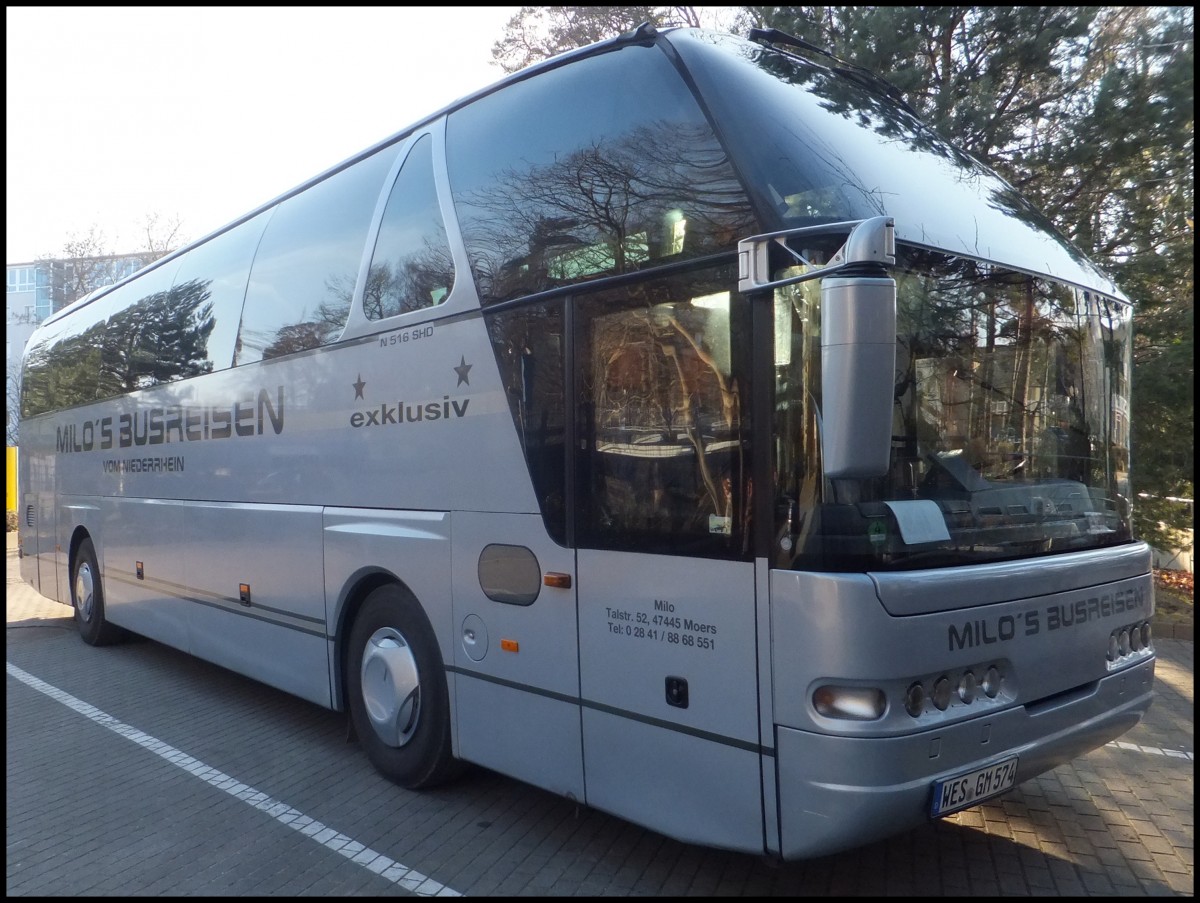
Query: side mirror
[858,372]
[858,336]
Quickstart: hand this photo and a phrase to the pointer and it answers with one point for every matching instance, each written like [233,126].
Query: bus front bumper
[836,793]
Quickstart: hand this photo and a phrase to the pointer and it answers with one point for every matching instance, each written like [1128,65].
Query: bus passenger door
[516,670]
[667,610]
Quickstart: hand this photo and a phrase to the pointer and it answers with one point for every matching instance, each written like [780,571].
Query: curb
[1169,630]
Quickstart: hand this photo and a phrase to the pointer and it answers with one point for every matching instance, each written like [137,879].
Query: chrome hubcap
[84,588]
[391,689]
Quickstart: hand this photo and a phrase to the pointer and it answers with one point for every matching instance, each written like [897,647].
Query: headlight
[851,703]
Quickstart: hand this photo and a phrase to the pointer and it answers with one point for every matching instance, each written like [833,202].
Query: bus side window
[208,293]
[143,340]
[411,267]
[609,167]
[303,275]
[530,347]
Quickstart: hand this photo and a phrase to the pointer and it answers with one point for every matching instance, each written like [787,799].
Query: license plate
[961,792]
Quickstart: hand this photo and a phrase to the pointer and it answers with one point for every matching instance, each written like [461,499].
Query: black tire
[399,702]
[87,598]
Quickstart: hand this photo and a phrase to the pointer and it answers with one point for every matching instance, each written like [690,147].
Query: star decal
[462,370]
[358,387]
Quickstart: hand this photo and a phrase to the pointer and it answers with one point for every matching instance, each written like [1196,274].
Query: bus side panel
[70,515]
[766,725]
[46,545]
[154,534]
[515,651]
[274,630]
[527,736]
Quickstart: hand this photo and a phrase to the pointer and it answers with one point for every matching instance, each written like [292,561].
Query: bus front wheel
[397,691]
[87,598]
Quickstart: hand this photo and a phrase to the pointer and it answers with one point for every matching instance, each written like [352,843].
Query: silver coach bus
[678,425]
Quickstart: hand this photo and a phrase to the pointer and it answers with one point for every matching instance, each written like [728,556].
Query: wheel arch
[366,549]
[358,587]
[78,535]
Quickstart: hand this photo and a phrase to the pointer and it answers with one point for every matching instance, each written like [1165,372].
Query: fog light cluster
[967,687]
[1129,640]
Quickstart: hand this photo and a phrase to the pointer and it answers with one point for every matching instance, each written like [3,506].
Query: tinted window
[176,321]
[411,266]
[79,359]
[304,273]
[148,338]
[663,463]
[816,147]
[210,287]
[530,346]
[61,363]
[603,166]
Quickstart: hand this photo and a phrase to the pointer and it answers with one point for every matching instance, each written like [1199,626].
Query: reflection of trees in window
[162,338]
[658,386]
[295,337]
[858,97]
[992,361]
[297,296]
[663,418]
[663,190]
[411,267]
[325,327]
[415,281]
[62,373]
[530,344]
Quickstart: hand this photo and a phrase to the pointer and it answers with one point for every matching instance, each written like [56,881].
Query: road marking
[381,865]
[1153,750]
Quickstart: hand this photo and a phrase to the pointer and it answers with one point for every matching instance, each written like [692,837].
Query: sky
[201,114]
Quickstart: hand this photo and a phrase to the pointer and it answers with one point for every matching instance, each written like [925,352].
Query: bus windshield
[816,148]
[1010,431]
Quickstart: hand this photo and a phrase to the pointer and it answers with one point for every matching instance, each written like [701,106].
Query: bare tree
[87,261]
[538,32]
[163,235]
[89,255]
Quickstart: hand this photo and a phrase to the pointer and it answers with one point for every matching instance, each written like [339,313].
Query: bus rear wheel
[87,598]
[398,698]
